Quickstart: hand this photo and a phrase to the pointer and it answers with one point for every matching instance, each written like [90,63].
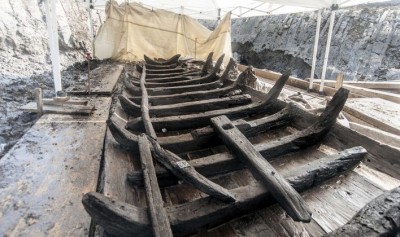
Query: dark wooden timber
[380,217]
[202,119]
[187,96]
[134,109]
[194,81]
[203,137]
[208,64]
[209,166]
[311,135]
[229,68]
[285,195]
[155,203]
[183,170]
[174,59]
[158,67]
[145,107]
[139,68]
[175,89]
[172,74]
[122,219]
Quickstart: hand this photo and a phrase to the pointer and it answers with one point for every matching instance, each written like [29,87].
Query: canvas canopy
[132,30]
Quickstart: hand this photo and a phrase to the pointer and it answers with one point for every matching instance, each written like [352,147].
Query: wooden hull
[200,171]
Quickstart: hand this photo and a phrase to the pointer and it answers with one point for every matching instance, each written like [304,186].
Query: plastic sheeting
[132,30]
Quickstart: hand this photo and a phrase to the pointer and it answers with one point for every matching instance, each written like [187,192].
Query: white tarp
[131,30]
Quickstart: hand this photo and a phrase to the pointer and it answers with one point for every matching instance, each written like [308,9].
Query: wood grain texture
[280,189]
[155,203]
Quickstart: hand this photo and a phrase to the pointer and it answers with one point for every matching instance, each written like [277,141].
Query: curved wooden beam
[174,59]
[208,64]
[122,219]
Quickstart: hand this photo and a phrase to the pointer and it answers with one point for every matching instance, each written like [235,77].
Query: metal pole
[328,46]
[195,47]
[51,17]
[314,60]
[219,15]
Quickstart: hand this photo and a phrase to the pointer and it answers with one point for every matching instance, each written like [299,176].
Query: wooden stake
[339,81]
[39,101]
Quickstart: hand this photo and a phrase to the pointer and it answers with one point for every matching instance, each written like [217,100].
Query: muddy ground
[18,91]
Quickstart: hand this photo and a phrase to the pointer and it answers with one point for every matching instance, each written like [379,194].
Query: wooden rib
[139,68]
[188,96]
[145,108]
[230,67]
[158,67]
[208,64]
[133,109]
[122,219]
[221,163]
[206,79]
[174,59]
[172,74]
[176,89]
[285,195]
[187,173]
[203,137]
[155,203]
[203,119]
[180,80]
[311,135]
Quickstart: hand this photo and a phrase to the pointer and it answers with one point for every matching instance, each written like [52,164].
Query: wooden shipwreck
[188,128]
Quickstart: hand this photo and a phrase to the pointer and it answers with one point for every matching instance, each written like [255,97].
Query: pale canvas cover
[131,30]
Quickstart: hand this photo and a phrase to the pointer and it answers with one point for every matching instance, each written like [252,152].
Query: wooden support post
[155,203]
[195,47]
[280,188]
[314,60]
[328,46]
[339,80]
[39,101]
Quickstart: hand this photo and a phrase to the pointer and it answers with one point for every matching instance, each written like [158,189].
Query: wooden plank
[103,81]
[41,178]
[280,189]
[60,109]
[377,134]
[388,85]
[188,96]
[380,113]
[194,81]
[187,218]
[133,109]
[377,218]
[155,203]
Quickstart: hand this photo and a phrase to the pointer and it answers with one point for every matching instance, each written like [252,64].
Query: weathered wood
[339,81]
[133,109]
[155,203]
[208,64]
[174,59]
[172,74]
[186,172]
[145,107]
[208,166]
[194,81]
[139,68]
[280,189]
[175,89]
[39,101]
[230,67]
[60,108]
[311,135]
[380,217]
[187,96]
[203,119]
[188,218]
[202,137]
[159,67]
